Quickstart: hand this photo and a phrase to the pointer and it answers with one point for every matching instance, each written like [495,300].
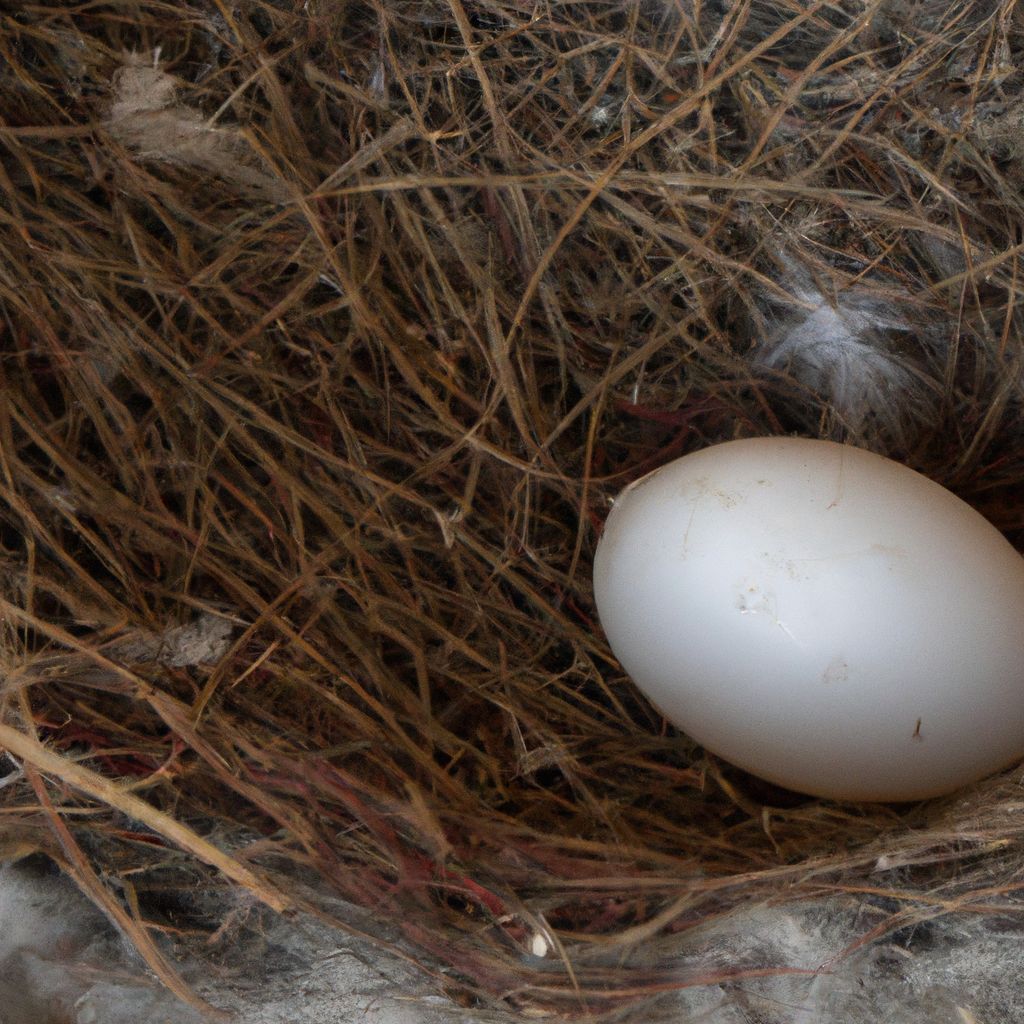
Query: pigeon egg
[820,616]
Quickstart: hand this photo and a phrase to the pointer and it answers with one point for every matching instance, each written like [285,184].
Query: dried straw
[329,329]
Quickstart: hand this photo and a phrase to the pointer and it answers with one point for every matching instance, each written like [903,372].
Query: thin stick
[99,788]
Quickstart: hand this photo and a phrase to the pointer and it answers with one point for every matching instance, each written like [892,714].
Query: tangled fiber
[330,328]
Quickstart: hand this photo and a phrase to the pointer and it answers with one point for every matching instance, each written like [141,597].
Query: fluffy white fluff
[842,347]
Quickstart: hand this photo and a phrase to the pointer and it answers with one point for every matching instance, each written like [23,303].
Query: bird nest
[329,331]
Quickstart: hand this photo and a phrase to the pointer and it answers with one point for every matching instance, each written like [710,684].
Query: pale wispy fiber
[862,350]
[146,117]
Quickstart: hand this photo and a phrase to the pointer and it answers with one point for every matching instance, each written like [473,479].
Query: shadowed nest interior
[329,329]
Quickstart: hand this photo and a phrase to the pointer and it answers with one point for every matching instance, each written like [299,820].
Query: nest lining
[330,330]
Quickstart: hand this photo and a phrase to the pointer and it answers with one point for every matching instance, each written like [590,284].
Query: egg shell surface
[819,615]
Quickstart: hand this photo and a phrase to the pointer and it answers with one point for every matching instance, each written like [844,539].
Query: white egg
[820,616]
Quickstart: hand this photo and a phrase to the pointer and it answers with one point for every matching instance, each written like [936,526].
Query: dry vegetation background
[329,329]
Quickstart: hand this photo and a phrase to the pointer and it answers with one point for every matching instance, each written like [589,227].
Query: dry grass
[339,323]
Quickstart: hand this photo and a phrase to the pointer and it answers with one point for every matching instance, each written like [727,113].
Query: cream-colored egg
[819,615]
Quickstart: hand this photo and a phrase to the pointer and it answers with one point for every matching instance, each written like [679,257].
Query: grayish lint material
[61,963]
